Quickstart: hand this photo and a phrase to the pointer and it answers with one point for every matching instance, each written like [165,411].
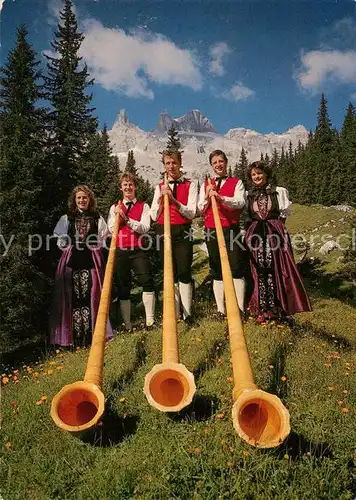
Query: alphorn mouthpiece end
[260,418]
[169,387]
[78,407]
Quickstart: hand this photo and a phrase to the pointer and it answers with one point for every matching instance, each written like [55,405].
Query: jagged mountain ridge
[198,138]
[193,121]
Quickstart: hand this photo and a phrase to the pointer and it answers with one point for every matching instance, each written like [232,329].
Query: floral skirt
[81,316]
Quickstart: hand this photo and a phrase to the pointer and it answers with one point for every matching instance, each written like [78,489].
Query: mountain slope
[198,138]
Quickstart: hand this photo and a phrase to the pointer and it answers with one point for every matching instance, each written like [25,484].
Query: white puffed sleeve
[283,201]
[61,232]
[103,230]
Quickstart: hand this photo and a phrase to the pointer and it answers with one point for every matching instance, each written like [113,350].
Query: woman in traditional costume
[80,271]
[278,290]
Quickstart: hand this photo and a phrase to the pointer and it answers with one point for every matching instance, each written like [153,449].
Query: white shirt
[236,201]
[188,211]
[61,231]
[139,226]
[283,201]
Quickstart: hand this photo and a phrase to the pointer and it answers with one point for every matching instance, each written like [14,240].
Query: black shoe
[189,320]
[218,316]
[243,316]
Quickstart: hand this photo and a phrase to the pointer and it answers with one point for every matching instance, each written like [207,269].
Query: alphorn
[258,417]
[169,386]
[78,407]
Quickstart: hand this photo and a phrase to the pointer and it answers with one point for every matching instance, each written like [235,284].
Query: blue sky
[254,64]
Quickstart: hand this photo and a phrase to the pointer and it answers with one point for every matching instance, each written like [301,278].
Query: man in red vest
[183,194]
[229,193]
[130,250]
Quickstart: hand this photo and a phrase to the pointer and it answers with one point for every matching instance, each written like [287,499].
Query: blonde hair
[127,176]
[177,155]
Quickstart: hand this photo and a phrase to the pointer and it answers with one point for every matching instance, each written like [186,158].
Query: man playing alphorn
[229,193]
[183,194]
[130,250]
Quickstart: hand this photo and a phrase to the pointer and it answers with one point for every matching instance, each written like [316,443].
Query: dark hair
[217,152]
[261,165]
[128,176]
[72,206]
[172,154]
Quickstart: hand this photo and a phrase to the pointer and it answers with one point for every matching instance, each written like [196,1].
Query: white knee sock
[239,285]
[177,300]
[125,309]
[218,288]
[185,291]
[149,302]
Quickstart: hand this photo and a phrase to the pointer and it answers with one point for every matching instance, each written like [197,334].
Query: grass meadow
[139,453]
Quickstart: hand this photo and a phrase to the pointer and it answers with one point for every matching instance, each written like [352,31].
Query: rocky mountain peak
[193,121]
[121,119]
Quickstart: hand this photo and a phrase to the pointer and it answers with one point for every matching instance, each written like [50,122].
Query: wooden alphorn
[169,386]
[79,406]
[258,417]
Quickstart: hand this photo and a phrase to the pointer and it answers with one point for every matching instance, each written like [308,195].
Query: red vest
[228,216]
[126,237]
[182,197]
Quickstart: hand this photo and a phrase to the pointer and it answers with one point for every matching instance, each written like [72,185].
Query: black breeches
[235,250]
[138,261]
[182,250]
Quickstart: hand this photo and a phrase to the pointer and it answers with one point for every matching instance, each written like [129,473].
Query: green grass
[141,453]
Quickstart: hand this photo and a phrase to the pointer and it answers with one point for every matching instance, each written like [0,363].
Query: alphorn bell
[258,417]
[79,406]
[169,386]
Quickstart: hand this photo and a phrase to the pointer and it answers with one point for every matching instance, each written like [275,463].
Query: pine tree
[280,171]
[241,166]
[304,189]
[25,196]
[99,168]
[289,171]
[72,122]
[323,150]
[173,143]
[275,159]
[348,154]
[130,163]
[290,151]
[273,164]
[112,193]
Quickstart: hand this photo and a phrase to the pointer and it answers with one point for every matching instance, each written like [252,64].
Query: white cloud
[128,62]
[320,67]
[217,52]
[1,4]
[353,96]
[238,92]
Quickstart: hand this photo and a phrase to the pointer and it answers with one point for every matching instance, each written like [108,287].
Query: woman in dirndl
[80,234]
[278,290]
